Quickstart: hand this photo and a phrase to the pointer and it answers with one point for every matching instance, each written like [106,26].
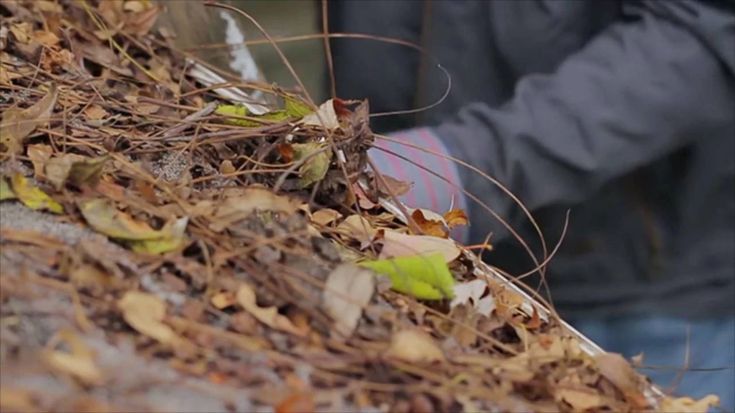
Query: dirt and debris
[165,249]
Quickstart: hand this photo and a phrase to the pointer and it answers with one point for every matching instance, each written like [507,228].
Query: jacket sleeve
[636,92]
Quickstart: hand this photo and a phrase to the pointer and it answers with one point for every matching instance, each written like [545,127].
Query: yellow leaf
[5,191]
[316,158]
[396,244]
[414,346]
[17,124]
[145,313]
[426,277]
[78,362]
[223,300]
[172,238]
[104,218]
[33,197]
[268,316]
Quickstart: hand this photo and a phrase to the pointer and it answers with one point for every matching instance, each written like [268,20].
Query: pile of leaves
[166,249]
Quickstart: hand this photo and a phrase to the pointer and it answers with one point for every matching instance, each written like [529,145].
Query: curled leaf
[17,124]
[474,294]
[78,362]
[325,216]
[268,316]
[347,291]
[102,216]
[39,155]
[32,197]
[414,346]
[456,217]
[145,313]
[426,277]
[430,223]
[172,237]
[5,191]
[324,117]
[396,244]
[316,158]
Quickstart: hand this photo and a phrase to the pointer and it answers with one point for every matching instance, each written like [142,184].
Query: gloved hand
[428,190]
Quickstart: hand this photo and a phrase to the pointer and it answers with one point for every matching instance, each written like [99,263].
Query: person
[622,111]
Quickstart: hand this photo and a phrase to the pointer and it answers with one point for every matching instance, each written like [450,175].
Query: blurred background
[204,30]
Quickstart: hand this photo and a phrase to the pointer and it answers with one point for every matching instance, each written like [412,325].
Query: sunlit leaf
[426,277]
[32,197]
[687,404]
[17,124]
[474,294]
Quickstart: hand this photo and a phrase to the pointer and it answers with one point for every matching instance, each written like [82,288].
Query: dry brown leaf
[104,218]
[145,313]
[39,155]
[389,185]
[78,362]
[95,112]
[17,400]
[456,217]
[325,216]
[358,228]
[76,169]
[46,38]
[618,371]
[297,403]
[426,221]
[346,293]
[223,300]
[414,346]
[17,124]
[140,23]
[396,244]
[580,400]
[249,200]
[689,405]
[269,315]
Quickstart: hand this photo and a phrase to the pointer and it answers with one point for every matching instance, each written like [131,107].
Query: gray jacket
[623,111]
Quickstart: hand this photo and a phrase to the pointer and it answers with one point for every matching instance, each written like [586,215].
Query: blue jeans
[664,344]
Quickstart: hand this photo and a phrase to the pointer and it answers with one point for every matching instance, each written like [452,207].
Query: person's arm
[638,91]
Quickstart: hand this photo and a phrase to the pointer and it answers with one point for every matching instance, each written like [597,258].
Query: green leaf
[5,191]
[32,197]
[295,107]
[422,276]
[315,168]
